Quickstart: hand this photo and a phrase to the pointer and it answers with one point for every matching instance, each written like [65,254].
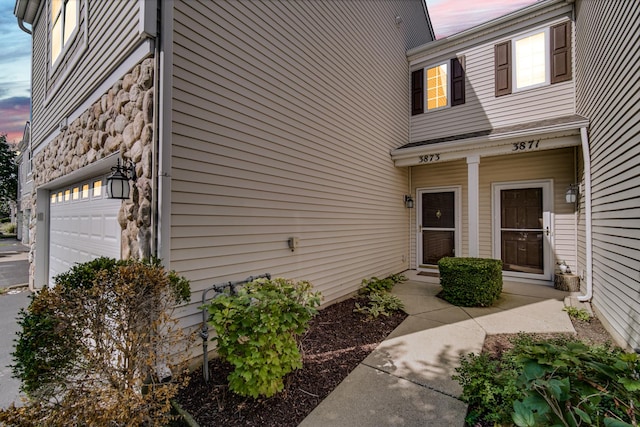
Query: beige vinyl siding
[38,69]
[608,93]
[441,175]
[554,165]
[483,110]
[113,32]
[283,117]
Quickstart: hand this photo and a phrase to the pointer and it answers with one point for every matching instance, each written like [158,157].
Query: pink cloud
[14,113]
[452,16]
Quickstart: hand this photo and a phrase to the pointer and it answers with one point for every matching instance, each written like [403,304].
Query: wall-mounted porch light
[408,201]
[118,182]
[572,193]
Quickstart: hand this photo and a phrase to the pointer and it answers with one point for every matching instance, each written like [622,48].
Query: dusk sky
[447,17]
[15,71]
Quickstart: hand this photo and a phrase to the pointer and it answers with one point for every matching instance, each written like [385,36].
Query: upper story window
[530,60]
[64,21]
[437,87]
[443,84]
[533,60]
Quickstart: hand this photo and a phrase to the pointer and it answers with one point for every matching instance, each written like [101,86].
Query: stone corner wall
[121,120]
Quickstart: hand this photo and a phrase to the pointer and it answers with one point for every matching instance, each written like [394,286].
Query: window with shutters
[438,86]
[534,59]
[64,21]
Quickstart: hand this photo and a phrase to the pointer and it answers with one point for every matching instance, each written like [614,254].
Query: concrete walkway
[407,381]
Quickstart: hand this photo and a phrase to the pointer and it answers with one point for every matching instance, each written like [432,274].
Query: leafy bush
[257,329]
[489,387]
[575,384]
[93,349]
[379,299]
[552,382]
[578,313]
[380,303]
[374,285]
[8,228]
[470,282]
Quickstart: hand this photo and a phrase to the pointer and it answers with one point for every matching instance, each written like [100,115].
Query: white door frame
[457,197]
[547,225]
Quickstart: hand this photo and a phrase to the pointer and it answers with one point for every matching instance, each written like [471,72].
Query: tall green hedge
[470,282]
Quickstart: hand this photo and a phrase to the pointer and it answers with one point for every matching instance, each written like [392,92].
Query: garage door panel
[82,230]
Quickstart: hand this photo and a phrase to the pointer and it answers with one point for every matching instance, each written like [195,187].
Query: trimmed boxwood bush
[470,282]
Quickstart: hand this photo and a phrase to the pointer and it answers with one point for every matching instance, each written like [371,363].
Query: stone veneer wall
[121,120]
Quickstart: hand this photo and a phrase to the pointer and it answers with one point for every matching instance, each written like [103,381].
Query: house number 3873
[525,145]
[429,158]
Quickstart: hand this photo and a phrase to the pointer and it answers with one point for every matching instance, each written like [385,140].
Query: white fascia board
[492,145]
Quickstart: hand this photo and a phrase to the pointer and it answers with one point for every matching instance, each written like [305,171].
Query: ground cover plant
[93,349]
[557,380]
[379,301]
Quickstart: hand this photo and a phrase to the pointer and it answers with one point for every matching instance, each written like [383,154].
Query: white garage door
[83,225]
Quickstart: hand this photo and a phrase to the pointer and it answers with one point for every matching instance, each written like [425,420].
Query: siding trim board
[550,137]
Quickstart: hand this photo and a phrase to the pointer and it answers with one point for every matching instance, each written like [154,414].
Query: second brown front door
[521,230]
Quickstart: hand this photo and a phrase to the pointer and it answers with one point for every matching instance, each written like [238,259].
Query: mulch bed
[337,341]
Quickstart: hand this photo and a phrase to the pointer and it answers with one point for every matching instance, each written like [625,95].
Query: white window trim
[547,60]
[52,90]
[65,46]
[457,197]
[426,87]
[548,221]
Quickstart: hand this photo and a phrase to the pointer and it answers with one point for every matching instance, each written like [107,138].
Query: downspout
[587,206]
[22,27]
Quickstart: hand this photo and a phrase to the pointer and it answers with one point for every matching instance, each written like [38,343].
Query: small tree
[93,349]
[8,176]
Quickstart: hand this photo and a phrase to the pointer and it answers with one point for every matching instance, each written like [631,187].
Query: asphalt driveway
[14,272]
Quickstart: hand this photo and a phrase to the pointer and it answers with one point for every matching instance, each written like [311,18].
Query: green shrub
[558,381]
[574,384]
[380,303]
[94,347]
[489,387]
[375,285]
[470,282]
[8,228]
[257,330]
[578,313]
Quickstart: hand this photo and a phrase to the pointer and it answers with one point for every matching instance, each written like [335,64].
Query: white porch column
[473,200]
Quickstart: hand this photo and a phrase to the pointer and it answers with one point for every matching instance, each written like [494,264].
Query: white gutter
[587,206]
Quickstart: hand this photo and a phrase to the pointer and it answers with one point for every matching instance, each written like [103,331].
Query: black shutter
[561,52]
[457,81]
[503,68]
[417,92]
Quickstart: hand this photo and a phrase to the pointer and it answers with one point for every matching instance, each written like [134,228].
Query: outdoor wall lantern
[118,182]
[572,193]
[408,202]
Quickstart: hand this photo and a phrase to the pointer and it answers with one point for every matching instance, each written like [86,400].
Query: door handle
[547,231]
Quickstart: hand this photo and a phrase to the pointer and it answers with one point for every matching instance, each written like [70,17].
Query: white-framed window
[537,58]
[64,23]
[437,86]
[531,60]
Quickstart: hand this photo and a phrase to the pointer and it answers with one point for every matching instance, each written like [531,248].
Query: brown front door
[521,230]
[437,226]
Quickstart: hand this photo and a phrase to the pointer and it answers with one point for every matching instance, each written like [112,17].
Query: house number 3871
[429,158]
[525,145]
